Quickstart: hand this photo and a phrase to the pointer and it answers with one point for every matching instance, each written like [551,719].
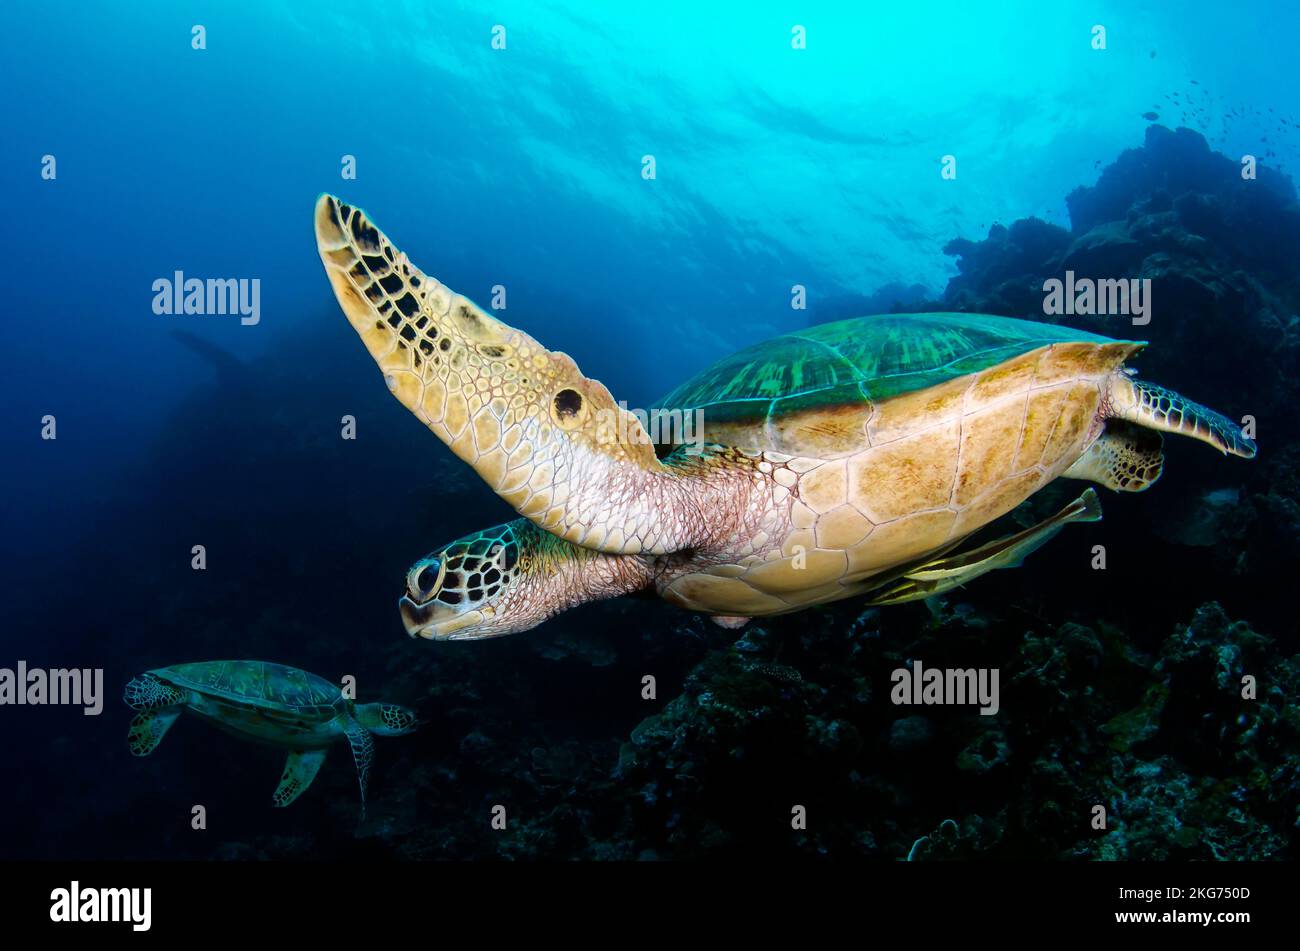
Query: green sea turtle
[267,703]
[849,458]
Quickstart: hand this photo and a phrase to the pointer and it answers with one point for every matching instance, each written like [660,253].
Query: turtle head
[386,719]
[509,579]
[483,585]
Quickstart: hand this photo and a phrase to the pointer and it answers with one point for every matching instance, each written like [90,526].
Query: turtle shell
[852,363]
[258,683]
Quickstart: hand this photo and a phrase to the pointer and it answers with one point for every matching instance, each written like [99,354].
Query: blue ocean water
[519,167]
[522,166]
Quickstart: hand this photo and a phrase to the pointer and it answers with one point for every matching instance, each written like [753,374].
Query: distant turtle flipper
[148,729]
[299,771]
[232,374]
[363,751]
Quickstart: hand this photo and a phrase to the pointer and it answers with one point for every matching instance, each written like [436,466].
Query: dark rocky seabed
[1118,687]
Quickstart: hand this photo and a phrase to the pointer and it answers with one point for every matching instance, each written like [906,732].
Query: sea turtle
[844,459]
[267,703]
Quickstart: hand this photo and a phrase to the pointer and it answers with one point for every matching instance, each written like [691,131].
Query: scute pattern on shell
[257,683]
[864,359]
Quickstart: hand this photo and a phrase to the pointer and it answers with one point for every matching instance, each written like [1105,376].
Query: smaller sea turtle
[267,703]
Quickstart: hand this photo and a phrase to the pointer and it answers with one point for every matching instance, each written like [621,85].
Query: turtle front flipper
[1158,408]
[547,439]
[299,771]
[148,729]
[363,751]
[1126,458]
[944,574]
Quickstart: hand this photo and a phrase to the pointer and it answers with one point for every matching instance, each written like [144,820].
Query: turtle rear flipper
[148,729]
[1158,408]
[1126,458]
[299,771]
[944,574]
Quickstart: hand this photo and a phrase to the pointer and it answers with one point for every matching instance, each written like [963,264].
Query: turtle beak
[435,621]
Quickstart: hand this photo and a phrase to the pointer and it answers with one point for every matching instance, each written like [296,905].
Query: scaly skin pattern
[548,440]
[1126,458]
[149,693]
[1149,404]
[560,575]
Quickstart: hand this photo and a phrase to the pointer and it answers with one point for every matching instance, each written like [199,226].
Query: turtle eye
[568,408]
[426,578]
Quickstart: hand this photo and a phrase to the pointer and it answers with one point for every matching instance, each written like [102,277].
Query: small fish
[1151,116]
